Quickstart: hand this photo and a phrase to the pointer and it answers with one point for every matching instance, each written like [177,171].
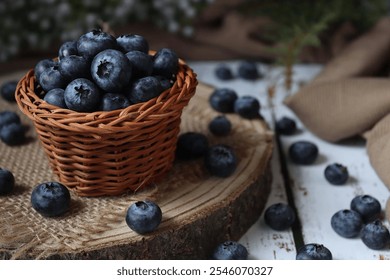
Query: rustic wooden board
[199,211]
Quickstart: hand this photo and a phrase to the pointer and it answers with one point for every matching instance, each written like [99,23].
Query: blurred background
[283,31]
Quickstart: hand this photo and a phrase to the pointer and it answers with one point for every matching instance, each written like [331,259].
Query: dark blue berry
[220,161]
[347,223]
[67,48]
[303,152]
[143,216]
[314,251]
[8,90]
[144,89]
[51,78]
[7,181]
[8,117]
[286,126]
[222,100]
[191,145]
[247,107]
[248,70]
[375,235]
[230,250]
[220,126]
[50,199]
[132,42]
[13,134]
[114,101]
[223,72]
[41,66]
[367,206]
[56,97]
[141,63]
[82,95]
[279,216]
[73,66]
[165,63]
[164,82]
[93,42]
[336,174]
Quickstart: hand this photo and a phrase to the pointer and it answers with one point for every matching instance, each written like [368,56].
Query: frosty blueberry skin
[314,251]
[50,199]
[132,42]
[222,100]
[220,126]
[93,42]
[230,250]
[144,216]
[375,235]
[82,95]
[336,174]
[56,97]
[347,223]
[220,160]
[303,152]
[367,206]
[279,216]
[247,107]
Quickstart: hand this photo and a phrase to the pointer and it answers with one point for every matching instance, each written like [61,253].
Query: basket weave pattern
[109,153]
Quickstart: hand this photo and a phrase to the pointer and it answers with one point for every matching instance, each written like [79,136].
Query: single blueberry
[41,66]
[13,134]
[165,82]
[142,64]
[52,78]
[191,145]
[230,250]
[223,99]
[303,152]
[220,126]
[50,199]
[8,90]
[347,223]
[336,174]
[56,97]
[367,206]
[114,101]
[144,89]
[375,235]
[279,216]
[8,117]
[7,181]
[165,63]
[286,126]
[93,42]
[223,72]
[82,95]
[314,251]
[67,48]
[111,70]
[143,216]
[132,42]
[220,161]
[247,107]
[73,66]
[248,70]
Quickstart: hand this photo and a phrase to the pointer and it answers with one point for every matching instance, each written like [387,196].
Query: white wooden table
[315,199]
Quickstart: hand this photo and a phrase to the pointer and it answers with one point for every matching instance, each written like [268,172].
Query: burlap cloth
[349,98]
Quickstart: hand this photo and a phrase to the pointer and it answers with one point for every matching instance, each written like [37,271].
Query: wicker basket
[110,153]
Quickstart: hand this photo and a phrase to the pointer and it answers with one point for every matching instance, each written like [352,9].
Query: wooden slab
[199,211]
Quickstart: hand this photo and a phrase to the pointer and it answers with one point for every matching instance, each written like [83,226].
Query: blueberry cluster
[12,131]
[246,70]
[100,72]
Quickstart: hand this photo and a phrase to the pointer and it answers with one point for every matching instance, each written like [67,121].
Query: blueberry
[336,174]
[111,70]
[144,89]
[142,63]
[220,126]
[93,42]
[8,90]
[248,70]
[7,181]
[303,152]
[314,251]
[347,223]
[165,63]
[82,95]
[52,78]
[143,216]
[230,250]
[56,97]
[367,206]
[223,72]
[67,48]
[114,101]
[279,216]
[247,107]
[375,235]
[13,134]
[164,82]
[222,100]
[73,66]
[286,126]
[132,42]
[220,161]
[191,145]
[8,117]
[41,66]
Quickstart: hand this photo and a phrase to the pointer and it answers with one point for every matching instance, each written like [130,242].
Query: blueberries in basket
[313,251]
[8,91]
[220,160]
[303,152]
[67,48]
[52,78]
[73,66]
[286,126]
[93,42]
[230,250]
[165,63]
[142,63]
[41,66]
[375,235]
[7,181]
[132,42]
[336,174]
[111,70]
[56,97]
[114,101]
[191,145]
[367,206]
[248,70]
[247,107]
[144,89]
[82,95]
[143,216]
[8,117]
[223,72]
[13,134]
[220,126]
[279,216]
[223,99]
[347,223]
